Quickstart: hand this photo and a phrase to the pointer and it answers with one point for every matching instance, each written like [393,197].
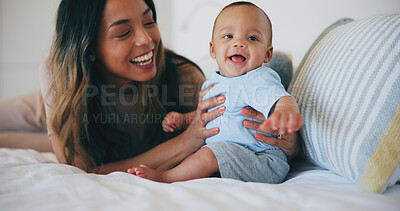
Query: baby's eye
[253,38]
[123,35]
[228,36]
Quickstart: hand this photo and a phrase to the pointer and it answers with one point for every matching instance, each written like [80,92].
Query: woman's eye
[149,24]
[228,36]
[123,35]
[253,38]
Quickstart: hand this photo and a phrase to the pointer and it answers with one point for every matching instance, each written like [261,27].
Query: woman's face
[127,43]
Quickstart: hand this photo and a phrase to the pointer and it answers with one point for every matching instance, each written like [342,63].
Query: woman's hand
[289,142]
[196,132]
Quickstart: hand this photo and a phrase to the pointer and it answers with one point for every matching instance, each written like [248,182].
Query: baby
[241,43]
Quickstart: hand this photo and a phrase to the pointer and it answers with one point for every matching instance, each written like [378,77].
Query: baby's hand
[174,121]
[284,120]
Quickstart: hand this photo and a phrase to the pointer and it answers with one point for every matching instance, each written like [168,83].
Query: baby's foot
[147,173]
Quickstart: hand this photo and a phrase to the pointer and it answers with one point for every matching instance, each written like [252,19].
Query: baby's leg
[201,164]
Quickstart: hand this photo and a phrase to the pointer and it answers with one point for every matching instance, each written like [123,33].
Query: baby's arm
[177,121]
[285,116]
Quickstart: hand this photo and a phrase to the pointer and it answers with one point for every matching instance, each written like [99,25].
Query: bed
[31,180]
[347,87]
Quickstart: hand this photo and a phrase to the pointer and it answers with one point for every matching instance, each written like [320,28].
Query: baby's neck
[231,76]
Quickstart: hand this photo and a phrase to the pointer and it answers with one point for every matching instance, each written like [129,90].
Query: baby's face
[241,40]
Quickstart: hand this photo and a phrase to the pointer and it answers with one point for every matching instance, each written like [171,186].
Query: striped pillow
[348,90]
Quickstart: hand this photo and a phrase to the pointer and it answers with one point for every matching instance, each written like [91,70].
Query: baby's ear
[268,54]
[212,51]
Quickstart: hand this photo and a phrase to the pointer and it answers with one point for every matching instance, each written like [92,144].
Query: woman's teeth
[143,60]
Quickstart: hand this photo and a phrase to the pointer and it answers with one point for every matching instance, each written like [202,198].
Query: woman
[108,82]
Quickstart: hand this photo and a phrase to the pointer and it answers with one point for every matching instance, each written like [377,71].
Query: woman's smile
[144,61]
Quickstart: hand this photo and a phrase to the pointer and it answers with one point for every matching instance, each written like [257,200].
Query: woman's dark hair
[75,39]
[77,26]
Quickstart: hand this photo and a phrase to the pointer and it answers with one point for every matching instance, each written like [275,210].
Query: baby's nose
[238,44]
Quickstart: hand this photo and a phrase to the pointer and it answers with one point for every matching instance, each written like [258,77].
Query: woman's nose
[142,37]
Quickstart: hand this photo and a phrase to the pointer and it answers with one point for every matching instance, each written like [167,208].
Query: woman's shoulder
[44,76]
[186,70]
[185,79]
[44,70]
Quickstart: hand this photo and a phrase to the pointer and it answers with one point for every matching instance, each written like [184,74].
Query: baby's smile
[237,58]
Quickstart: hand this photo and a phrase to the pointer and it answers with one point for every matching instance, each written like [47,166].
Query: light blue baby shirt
[260,89]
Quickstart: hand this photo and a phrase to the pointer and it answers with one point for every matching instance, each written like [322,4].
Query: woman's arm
[172,152]
[167,154]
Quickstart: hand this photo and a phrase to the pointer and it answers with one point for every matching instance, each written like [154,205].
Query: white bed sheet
[30,180]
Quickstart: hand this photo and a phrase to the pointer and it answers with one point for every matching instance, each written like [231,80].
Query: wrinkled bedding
[30,180]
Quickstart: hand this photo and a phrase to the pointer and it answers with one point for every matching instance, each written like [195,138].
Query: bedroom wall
[296,23]
[26,28]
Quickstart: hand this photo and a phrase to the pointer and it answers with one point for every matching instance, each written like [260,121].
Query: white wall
[296,23]
[26,29]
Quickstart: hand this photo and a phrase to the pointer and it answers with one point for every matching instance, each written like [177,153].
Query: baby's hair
[239,3]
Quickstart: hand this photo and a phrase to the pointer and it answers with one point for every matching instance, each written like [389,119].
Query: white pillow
[348,90]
